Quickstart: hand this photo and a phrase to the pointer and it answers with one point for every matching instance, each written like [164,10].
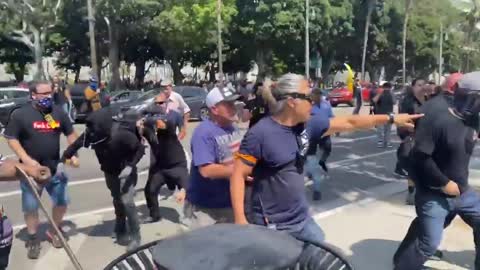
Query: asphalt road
[359,171]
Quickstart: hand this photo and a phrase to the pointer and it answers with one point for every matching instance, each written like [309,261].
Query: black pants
[358,104]
[4,256]
[175,176]
[123,194]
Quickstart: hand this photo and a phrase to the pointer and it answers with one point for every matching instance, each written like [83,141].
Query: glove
[61,173]
[126,172]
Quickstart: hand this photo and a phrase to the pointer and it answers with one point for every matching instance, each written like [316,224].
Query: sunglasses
[159,102]
[297,96]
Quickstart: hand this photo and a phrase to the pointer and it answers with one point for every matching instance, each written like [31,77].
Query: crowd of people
[257,178]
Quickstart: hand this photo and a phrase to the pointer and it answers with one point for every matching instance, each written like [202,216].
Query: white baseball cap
[217,95]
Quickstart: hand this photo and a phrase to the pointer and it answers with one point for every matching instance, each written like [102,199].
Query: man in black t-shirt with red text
[33,133]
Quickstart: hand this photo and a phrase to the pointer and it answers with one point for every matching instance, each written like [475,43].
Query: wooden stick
[67,248]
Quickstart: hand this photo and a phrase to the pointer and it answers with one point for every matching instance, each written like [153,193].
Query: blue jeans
[311,232]
[56,188]
[433,209]
[313,169]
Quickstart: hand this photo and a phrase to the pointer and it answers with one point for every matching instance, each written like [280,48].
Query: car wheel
[352,103]
[203,113]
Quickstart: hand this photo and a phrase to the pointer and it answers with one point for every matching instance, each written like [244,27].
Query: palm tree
[370,6]
[408,9]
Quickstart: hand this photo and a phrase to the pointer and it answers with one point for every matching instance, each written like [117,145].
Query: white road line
[86,214]
[70,184]
[339,163]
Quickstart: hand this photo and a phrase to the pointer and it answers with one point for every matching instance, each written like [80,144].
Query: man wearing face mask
[444,142]
[213,145]
[168,163]
[118,149]
[33,133]
[92,95]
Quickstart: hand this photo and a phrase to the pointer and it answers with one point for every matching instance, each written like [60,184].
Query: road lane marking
[87,181]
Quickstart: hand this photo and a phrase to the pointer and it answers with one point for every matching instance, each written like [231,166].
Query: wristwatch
[391,118]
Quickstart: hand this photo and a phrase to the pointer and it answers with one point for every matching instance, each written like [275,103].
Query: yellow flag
[349,77]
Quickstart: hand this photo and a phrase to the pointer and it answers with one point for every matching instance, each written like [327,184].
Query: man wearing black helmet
[444,142]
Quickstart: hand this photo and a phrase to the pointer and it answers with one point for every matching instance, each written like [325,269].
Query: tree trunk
[408,8]
[38,54]
[212,72]
[114,57]
[139,72]
[327,64]
[77,74]
[370,4]
[264,60]
[177,73]
[19,72]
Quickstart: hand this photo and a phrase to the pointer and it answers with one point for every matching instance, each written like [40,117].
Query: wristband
[391,118]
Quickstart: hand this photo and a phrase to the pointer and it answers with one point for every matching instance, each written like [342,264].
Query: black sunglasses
[159,102]
[296,95]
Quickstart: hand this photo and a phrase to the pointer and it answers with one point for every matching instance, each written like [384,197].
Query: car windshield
[150,94]
[12,93]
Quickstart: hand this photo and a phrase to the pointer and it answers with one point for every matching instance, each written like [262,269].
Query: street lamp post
[220,45]
[307,39]
[91,27]
[440,57]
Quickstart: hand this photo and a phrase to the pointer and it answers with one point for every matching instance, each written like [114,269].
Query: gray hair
[287,84]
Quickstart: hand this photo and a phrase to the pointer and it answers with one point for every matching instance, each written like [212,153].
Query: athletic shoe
[33,247]
[135,241]
[55,239]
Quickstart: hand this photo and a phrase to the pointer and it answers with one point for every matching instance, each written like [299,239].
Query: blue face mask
[45,104]
[93,86]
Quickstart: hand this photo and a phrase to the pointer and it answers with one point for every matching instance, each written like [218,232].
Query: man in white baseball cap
[213,145]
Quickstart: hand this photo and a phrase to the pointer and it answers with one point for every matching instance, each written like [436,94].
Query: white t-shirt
[176,103]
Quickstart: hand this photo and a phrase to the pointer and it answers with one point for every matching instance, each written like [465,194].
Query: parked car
[11,98]
[341,95]
[193,96]
[195,99]
[78,98]
[124,96]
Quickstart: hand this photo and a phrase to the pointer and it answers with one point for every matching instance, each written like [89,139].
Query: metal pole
[219,30]
[440,57]
[307,39]
[91,27]
[67,248]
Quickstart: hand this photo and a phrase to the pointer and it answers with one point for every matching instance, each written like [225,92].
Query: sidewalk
[369,234]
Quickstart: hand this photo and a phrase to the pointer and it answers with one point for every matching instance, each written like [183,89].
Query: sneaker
[148,220]
[122,239]
[323,165]
[135,242]
[55,239]
[438,256]
[400,172]
[379,144]
[33,248]
[317,195]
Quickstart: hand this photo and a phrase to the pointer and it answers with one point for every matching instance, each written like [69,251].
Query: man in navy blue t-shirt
[273,152]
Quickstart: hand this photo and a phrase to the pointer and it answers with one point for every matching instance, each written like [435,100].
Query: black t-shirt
[411,105]
[258,108]
[40,140]
[167,151]
[443,146]
[385,103]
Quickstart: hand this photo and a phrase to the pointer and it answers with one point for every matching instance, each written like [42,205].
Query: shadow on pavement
[374,254]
